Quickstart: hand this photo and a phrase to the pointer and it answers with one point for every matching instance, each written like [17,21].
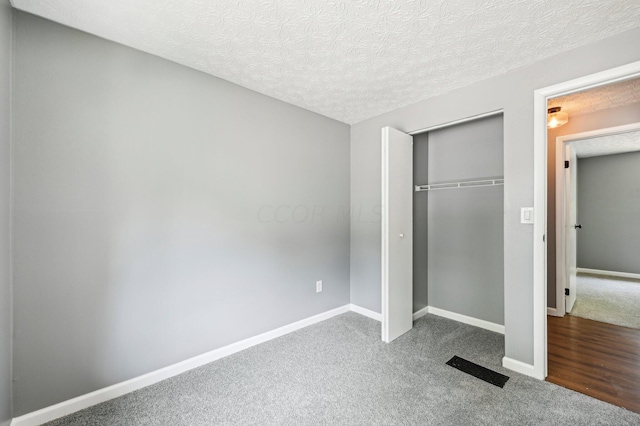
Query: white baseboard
[554,312]
[419,314]
[378,317]
[520,367]
[366,312]
[436,311]
[64,408]
[84,401]
[609,273]
[491,326]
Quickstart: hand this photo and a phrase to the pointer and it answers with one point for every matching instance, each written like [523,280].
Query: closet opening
[593,277]
[447,256]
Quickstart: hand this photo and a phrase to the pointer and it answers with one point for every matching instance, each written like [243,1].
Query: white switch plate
[318,286]
[526,215]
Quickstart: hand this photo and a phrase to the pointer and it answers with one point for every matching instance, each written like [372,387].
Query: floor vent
[478,371]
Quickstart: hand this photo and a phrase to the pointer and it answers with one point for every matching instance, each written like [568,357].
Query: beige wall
[577,124]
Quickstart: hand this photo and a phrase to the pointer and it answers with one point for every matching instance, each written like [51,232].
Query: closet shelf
[456,185]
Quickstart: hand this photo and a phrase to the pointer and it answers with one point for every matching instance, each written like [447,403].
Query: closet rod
[456,185]
[455,122]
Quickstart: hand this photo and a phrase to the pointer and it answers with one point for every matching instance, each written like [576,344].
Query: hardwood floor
[598,359]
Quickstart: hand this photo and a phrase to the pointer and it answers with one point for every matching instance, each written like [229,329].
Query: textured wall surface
[5,213]
[349,60]
[512,92]
[583,123]
[160,213]
[608,210]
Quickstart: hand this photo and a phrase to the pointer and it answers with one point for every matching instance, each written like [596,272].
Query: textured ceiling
[604,97]
[607,145]
[348,59]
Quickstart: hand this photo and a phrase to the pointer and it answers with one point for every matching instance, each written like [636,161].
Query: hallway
[597,359]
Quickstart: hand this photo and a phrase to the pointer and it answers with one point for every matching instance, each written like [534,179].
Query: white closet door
[571,181]
[397,233]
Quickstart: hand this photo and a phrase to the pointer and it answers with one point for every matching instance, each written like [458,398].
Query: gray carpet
[608,299]
[338,372]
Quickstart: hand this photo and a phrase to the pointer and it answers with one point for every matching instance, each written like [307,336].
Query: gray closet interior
[458,262]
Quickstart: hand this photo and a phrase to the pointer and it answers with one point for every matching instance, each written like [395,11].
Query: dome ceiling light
[556,118]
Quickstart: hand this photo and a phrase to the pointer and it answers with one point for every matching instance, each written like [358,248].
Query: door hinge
[566,164]
[566,291]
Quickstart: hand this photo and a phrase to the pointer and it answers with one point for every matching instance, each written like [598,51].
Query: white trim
[561,219]
[456,122]
[626,128]
[81,402]
[609,273]
[378,317]
[84,401]
[365,312]
[519,367]
[498,328]
[539,243]
[554,312]
[540,97]
[384,235]
[419,314]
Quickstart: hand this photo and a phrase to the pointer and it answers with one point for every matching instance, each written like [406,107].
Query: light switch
[526,215]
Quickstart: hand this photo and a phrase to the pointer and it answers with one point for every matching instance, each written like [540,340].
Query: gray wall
[147,221]
[608,210]
[465,242]
[611,117]
[458,234]
[512,92]
[5,213]
[420,223]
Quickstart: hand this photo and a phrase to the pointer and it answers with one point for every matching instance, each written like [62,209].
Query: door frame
[540,98]
[561,216]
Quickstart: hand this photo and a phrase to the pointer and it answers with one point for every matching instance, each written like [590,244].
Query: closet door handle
[401,235]
[578,226]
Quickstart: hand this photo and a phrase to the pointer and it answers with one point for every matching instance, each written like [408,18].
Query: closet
[458,225]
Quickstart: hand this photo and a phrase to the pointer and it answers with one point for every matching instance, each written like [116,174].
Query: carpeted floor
[338,372]
[608,299]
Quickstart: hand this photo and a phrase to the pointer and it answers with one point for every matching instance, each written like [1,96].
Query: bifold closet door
[397,233]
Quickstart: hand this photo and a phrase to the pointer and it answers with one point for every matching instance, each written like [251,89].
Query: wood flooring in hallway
[597,359]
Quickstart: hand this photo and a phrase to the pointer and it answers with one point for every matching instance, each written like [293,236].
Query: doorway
[571,332]
[614,232]
[594,333]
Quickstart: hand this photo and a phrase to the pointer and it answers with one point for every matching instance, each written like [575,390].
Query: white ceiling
[600,98]
[348,59]
[607,145]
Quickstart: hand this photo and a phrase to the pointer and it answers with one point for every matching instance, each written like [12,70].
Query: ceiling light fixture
[556,118]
